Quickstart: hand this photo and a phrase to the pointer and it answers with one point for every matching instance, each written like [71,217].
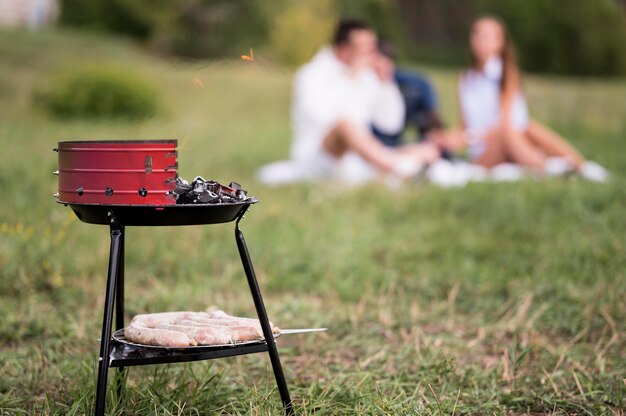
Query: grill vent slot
[147,162]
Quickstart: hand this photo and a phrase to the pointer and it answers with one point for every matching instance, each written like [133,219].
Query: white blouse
[479,95]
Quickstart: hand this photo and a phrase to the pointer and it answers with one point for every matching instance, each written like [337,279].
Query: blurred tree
[137,18]
[294,29]
[579,37]
[574,37]
[298,28]
[81,13]
[213,28]
[383,15]
[192,28]
[436,31]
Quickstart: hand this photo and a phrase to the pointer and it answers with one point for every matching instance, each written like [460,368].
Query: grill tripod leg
[265,323]
[107,319]
[119,310]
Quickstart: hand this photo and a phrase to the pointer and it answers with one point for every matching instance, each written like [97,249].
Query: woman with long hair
[494,113]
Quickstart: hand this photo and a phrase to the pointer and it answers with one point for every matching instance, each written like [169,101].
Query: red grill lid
[133,172]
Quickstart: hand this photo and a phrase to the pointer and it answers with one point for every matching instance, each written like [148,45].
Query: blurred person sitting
[337,97]
[494,112]
[418,94]
[422,115]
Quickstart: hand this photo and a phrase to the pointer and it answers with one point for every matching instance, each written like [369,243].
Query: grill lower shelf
[126,355]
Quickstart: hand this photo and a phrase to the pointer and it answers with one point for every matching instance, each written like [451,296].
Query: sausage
[182,329]
[161,337]
[223,316]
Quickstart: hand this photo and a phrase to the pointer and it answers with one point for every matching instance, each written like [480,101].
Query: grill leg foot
[107,320]
[265,323]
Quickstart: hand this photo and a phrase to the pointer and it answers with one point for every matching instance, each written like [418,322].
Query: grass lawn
[498,299]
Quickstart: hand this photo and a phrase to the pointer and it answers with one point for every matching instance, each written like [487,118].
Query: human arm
[509,92]
[460,119]
[388,113]
[431,118]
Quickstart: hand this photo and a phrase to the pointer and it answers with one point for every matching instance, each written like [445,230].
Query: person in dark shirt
[420,101]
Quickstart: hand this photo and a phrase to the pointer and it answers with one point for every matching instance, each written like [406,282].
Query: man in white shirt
[337,97]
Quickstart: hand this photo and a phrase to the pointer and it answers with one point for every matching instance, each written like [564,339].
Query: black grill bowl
[156,215]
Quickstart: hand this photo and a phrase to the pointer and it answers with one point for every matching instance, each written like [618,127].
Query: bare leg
[522,151]
[346,136]
[425,152]
[509,145]
[495,152]
[552,144]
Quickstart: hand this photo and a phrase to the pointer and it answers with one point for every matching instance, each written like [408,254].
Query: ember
[201,191]
[249,58]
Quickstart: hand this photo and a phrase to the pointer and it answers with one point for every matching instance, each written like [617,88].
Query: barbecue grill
[129,183]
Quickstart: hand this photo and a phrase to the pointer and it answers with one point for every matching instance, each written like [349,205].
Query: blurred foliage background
[577,37]
[98,92]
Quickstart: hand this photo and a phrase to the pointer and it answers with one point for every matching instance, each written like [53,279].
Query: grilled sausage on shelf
[183,329]
[161,337]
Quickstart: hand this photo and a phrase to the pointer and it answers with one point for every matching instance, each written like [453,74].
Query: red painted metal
[129,172]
